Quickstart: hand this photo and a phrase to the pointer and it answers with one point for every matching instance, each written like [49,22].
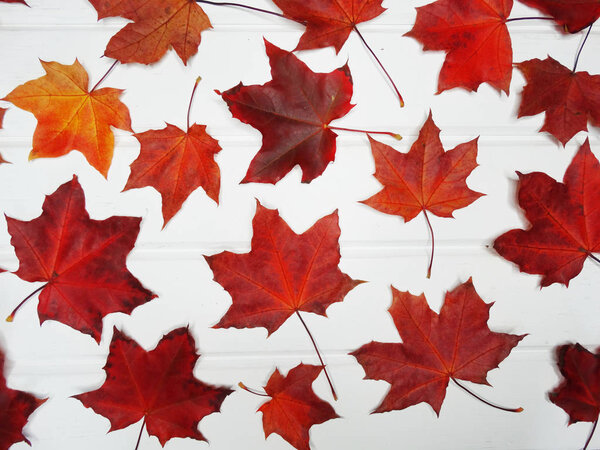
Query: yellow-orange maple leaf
[69,116]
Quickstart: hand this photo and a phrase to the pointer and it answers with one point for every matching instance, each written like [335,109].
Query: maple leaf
[569,99]
[15,409]
[573,15]
[456,344]
[424,179]
[292,112]
[564,218]
[82,261]
[157,26]
[2,112]
[475,38]
[69,116]
[14,1]
[158,386]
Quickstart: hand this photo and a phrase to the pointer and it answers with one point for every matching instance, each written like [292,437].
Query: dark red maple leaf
[579,391]
[572,15]
[292,112]
[564,218]
[569,99]
[456,344]
[15,409]
[157,386]
[82,261]
[475,38]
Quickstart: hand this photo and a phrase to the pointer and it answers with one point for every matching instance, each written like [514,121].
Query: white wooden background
[55,361]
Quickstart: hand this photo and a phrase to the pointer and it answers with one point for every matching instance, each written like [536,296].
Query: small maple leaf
[475,38]
[456,344]
[157,25]
[292,112]
[564,218]
[82,261]
[572,16]
[158,386]
[69,116]
[569,99]
[424,179]
[16,407]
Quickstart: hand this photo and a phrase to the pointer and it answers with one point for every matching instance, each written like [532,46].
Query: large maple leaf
[475,38]
[69,116]
[425,179]
[82,261]
[456,344]
[157,25]
[15,409]
[292,112]
[158,386]
[572,15]
[564,218]
[569,99]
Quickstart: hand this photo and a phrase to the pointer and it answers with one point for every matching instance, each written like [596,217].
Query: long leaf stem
[528,18]
[590,255]
[589,439]
[239,5]
[141,432]
[515,410]
[581,47]
[252,391]
[105,75]
[354,130]
[12,314]
[432,243]
[191,100]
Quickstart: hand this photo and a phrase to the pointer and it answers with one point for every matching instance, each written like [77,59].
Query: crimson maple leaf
[564,218]
[424,179]
[157,25]
[292,112]
[82,261]
[579,391]
[572,15]
[475,38]
[456,344]
[158,386]
[15,409]
[569,99]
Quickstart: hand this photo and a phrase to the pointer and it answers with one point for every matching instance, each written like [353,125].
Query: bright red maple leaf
[292,112]
[328,22]
[158,386]
[572,15]
[456,344]
[157,26]
[15,409]
[564,218]
[569,99]
[475,38]
[82,261]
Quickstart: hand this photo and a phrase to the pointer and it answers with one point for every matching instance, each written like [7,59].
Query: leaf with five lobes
[15,409]
[69,116]
[157,26]
[475,38]
[456,344]
[564,218]
[292,112]
[328,22]
[82,261]
[570,100]
[158,386]
[572,15]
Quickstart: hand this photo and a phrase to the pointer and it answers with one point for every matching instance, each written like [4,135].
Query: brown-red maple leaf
[425,179]
[81,260]
[569,99]
[157,386]
[564,218]
[475,38]
[579,391]
[456,344]
[571,15]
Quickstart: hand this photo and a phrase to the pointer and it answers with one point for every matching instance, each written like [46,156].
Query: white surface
[56,361]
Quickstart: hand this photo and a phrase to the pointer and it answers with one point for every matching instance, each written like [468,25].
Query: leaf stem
[318,354]
[590,436]
[432,243]
[191,100]
[590,255]
[515,410]
[389,77]
[105,75]
[528,18]
[12,314]
[354,130]
[239,5]
[140,435]
[252,391]
[581,47]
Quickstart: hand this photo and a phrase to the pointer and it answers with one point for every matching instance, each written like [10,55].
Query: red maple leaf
[579,391]
[564,218]
[292,112]
[82,261]
[475,38]
[572,15]
[424,179]
[15,409]
[158,386]
[569,99]
[456,344]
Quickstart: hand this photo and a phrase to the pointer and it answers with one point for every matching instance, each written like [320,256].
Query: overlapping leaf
[572,15]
